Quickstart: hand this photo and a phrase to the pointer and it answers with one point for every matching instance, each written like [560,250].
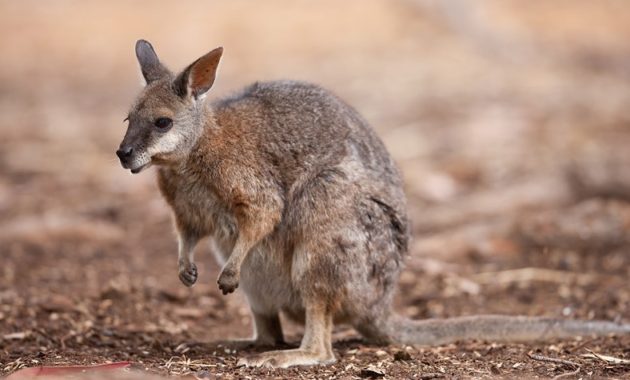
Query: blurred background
[509,120]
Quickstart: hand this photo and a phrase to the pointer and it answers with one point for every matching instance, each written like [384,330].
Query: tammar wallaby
[305,207]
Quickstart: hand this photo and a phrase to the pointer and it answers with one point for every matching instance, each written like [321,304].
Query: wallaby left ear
[198,78]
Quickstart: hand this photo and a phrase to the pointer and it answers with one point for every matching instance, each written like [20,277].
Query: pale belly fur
[265,279]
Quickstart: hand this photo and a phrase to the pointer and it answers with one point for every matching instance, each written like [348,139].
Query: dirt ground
[509,119]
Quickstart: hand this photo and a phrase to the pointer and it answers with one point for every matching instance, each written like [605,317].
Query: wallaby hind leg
[267,333]
[267,330]
[316,347]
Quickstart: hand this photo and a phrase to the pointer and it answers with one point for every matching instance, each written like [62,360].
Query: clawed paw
[188,274]
[228,281]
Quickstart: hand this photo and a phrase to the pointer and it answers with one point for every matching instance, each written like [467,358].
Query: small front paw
[188,274]
[228,281]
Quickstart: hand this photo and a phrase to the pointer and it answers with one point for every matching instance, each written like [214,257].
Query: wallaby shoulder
[296,126]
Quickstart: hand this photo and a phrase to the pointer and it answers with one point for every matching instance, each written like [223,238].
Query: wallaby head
[166,119]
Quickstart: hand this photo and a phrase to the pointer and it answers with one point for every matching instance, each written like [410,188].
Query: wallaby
[305,208]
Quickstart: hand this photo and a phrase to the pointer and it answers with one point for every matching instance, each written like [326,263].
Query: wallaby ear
[198,78]
[152,68]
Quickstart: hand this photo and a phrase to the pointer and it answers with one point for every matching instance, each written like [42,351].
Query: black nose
[124,152]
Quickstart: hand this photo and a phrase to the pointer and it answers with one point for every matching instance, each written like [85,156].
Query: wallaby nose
[124,152]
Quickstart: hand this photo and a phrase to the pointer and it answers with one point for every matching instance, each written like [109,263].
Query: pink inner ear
[204,72]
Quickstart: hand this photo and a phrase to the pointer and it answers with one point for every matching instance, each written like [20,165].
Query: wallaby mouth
[140,168]
[130,161]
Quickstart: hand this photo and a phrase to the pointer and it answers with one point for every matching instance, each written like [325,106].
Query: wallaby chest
[266,278]
[195,203]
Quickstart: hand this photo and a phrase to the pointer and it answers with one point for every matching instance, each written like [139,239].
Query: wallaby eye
[163,123]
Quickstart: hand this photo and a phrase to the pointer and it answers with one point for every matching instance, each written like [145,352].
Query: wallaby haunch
[305,207]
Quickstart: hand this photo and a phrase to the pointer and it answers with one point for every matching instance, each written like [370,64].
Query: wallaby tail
[495,328]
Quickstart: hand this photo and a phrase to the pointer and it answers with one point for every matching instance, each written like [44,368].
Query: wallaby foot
[316,347]
[188,273]
[228,280]
[287,358]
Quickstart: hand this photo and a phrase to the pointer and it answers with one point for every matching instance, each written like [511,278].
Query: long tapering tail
[495,328]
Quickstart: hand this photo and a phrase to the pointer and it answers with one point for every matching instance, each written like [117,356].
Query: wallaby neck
[207,129]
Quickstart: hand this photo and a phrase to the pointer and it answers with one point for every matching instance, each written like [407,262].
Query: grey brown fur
[304,205]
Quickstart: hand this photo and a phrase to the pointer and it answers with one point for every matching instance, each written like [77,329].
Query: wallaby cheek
[167,144]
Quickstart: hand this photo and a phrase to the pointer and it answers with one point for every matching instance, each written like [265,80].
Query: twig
[606,359]
[558,361]
[428,376]
[583,344]
[552,360]
[568,374]
[534,275]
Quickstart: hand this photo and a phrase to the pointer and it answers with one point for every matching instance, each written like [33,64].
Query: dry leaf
[372,372]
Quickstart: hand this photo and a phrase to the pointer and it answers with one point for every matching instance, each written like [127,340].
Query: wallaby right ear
[152,68]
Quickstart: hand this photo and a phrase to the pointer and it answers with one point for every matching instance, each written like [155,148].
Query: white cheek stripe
[167,143]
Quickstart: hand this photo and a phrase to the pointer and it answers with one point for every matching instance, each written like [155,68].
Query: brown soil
[509,121]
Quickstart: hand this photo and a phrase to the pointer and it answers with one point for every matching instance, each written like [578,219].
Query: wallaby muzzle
[131,151]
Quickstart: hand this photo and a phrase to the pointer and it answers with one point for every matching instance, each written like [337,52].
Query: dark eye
[163,123]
